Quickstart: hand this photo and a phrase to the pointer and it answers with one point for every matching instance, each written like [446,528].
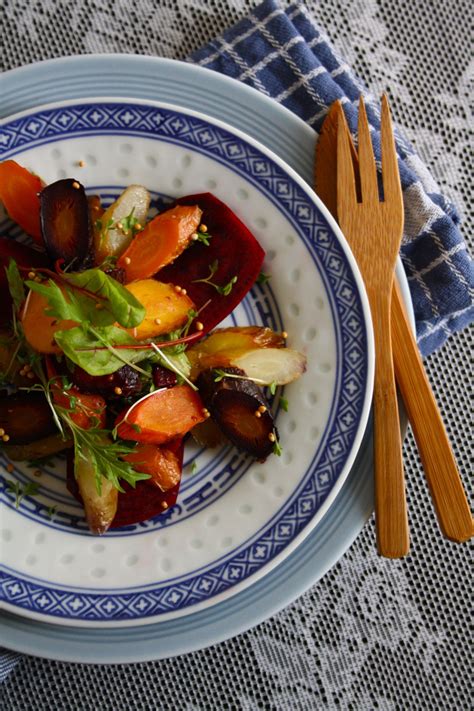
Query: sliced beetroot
[125,382]
[139,504]
[241,411]
[26,258]
[65,223]
[233,246]
[144,502]
[163,378]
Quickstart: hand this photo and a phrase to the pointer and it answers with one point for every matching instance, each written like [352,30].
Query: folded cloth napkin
[285,55]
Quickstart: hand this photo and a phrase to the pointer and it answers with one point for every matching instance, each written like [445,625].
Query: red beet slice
[65,223]
[139,504]
[163,378]
[25,257]
[238,254]
[126,379]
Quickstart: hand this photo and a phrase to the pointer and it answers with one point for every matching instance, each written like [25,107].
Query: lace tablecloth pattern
[372,633]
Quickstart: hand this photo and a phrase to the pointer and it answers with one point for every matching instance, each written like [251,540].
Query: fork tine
[367,168]
[346,186]
[391,177]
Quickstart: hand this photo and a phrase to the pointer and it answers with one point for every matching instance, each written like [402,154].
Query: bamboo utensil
[449,498]
[376,227]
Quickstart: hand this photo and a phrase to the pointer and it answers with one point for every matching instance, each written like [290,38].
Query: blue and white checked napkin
[285,55]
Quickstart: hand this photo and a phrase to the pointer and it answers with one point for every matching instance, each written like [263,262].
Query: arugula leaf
[103,454]
[125,308]
[15,284]
[86,349]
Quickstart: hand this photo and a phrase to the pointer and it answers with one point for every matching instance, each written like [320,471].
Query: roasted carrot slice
[232,249]
[162,415]
[162,240]
[25,257]
[86,410]
[39,328]
[160,462]
[19,193]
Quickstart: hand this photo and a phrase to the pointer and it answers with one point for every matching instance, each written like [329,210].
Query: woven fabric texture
[372,633]
[287,56]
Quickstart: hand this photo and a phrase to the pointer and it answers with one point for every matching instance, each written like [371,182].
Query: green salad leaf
[70,304]
[93,349]
[125,308]
[91,297]
[15,284]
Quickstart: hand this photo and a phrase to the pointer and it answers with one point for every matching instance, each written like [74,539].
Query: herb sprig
[263,278]
[20,490]
[202,237]
[224,290]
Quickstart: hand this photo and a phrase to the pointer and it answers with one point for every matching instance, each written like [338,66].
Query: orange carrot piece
[162,416]
[19,193]
[86,410]
[162,240]
[161,463]
[39,328]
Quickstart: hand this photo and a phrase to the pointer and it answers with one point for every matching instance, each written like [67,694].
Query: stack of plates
[244,539]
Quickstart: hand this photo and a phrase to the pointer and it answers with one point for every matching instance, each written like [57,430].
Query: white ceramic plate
[234,520]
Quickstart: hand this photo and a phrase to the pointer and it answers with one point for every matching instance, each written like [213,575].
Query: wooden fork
[377,227]
[449,498]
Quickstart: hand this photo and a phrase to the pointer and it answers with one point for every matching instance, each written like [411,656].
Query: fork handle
[391,520]
[439,464]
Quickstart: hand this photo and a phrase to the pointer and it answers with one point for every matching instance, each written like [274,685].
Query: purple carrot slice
[65,223]
[241,411]
[26,417]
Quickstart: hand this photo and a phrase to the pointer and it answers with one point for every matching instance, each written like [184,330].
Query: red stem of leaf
[145,346]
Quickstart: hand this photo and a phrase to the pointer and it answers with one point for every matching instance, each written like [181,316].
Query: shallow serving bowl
[235,520]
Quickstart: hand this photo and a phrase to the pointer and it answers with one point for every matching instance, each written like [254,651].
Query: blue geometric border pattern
[222,145]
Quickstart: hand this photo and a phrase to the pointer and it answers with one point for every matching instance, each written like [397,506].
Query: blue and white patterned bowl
[234,519]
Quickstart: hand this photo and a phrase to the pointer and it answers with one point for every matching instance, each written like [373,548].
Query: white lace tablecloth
[373,634]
